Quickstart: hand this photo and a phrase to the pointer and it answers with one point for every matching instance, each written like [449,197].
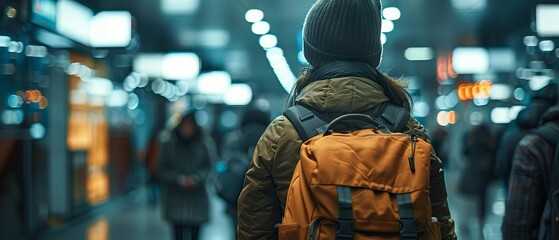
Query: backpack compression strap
[308,122]
[550,132]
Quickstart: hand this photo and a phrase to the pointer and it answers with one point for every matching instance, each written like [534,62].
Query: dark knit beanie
[343,30]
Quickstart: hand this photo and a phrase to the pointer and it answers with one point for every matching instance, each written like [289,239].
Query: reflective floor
[134,218]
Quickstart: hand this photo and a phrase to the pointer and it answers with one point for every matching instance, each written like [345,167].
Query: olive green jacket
[262,200]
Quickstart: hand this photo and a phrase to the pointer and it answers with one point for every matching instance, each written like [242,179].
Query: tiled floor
[138,220]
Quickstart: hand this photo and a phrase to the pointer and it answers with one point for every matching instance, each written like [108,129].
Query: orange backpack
[361,183]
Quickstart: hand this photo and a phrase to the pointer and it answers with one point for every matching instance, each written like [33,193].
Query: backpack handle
[352,121]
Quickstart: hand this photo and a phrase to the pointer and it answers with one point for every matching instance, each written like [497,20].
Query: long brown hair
[393,88]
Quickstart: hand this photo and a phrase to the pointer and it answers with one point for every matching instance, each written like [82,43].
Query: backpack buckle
[345,229]
[407,229]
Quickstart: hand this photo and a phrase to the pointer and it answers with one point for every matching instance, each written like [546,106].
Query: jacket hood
[531,116]
[541,101]
[552,115]
[344,94]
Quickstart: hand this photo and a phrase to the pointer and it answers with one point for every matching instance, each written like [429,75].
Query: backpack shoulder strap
[308,122]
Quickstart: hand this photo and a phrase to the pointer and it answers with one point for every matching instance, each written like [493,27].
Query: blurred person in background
[532,183]
[11,190]
[439,141]
[527,120]
[238,147]
[184,163]
[479,159]
[342,45]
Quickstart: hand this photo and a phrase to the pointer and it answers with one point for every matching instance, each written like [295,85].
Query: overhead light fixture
[98,86]
[73,20]
[254,15]
[383,38]
[470,60]
[5,41]
[387,26]
[268,41]
[500,92]
[391,13]
[179,66]
[239,94]
[52,40]
[260,28]
[419,54]
[547,17]
[111,29]
[178,7]
[213,38]
[148,63]
[500,115]
[547,46]
[117,98]
[211,83]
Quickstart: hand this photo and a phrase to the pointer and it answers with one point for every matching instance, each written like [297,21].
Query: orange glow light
[452,117]
[449,68]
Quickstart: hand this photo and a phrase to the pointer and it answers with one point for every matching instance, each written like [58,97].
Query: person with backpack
[527,120]
[342,45]
[532,204]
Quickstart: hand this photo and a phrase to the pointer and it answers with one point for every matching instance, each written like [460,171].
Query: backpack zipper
[411,158]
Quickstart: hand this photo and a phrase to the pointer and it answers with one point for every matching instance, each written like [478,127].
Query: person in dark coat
[238,147]
[529,182]
[479,156]
[184,163]
[528,119]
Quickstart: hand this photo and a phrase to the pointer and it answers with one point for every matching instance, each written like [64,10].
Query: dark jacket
[181,205]
[529,118]
[262,201]
[529,182]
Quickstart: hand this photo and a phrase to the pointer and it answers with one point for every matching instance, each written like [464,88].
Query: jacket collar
[342,94]
[339,69]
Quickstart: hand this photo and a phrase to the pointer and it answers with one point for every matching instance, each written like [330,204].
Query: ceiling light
[268,41]
[178,66]
[547,16]
[260,28]
[391,13]
[531,41]
[117,98]
[73,20]
[5,41]
[500,115]
[149,64]
[470,60]
[383,38]
[216,82]
[99,86]
[238,94]
[213,38]
[51,39]
[111,29]
[176,7]
[387,26]
[254,15]
[419,54]
[547,46]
